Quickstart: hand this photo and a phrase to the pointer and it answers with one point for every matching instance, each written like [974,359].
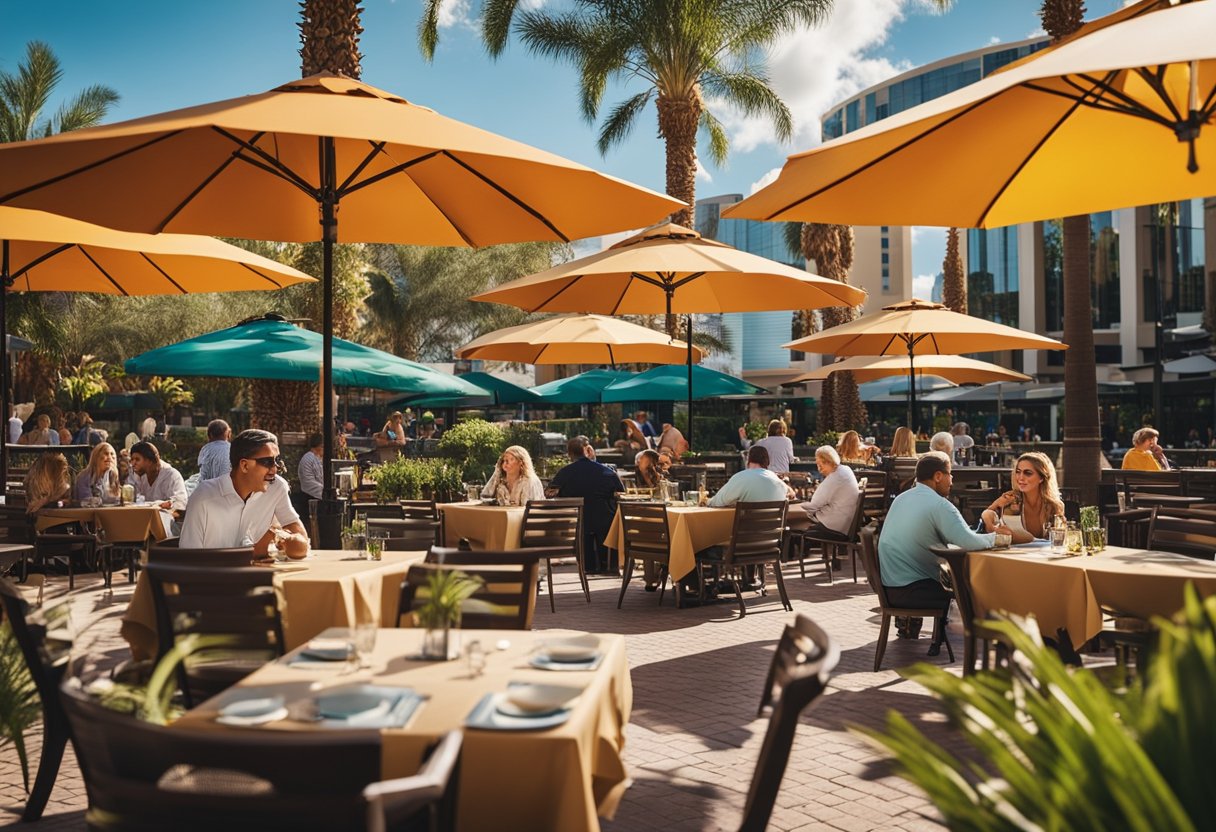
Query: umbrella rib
[616,307]
[121,290]
[677,284]
[163,273]
[541,306]
[537,214]
[42,258]
[276,284]
[269,163]
[377,147]
[913,140]
[348,188]
[85,168]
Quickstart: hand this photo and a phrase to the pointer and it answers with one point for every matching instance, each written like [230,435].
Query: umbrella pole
[5,282]
[689,381]
[329,508]
[911,388]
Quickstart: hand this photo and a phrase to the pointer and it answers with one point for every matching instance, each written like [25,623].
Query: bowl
[573,649]
[250,708]
[538,699]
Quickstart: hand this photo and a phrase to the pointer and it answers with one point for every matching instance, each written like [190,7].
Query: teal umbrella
[272,348]
[499,392]
[670,384]
[584,388]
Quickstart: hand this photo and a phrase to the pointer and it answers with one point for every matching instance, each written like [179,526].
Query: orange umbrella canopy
[50,253]
[579,339]
[672,269]
[253,167]
[953,368]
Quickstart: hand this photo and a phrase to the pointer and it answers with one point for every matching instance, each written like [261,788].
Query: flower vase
[441,643]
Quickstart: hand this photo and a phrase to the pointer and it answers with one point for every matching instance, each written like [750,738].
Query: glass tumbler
[1056,536]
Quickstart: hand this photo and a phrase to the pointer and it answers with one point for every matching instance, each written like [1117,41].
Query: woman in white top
[100,478]
[1031,507]
[834,502]
[514,482]
[779,446]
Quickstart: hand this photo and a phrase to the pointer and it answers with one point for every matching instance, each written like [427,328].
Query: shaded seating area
[756,541]
[506,599]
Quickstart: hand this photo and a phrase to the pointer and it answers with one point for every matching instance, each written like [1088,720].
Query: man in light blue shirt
[754,484]
[213,457]
[919,518]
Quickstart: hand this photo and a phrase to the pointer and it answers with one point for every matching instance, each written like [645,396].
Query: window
[852,116]
[992,274]
[886,258]
[886,244]
[886,278]
[833,125]
[1104,271]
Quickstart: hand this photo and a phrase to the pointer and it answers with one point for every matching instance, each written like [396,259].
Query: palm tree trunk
[282,406]
[1082,439]
[329,34]
[954,277]
[678,122]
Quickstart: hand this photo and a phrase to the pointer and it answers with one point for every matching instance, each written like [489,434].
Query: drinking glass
[1056,535]
[473,493]
[1072,540]
[477,658]
[375,543]
[365,642]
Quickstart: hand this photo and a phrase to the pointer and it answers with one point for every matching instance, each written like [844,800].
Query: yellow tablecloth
[122,523]
[692,529]
[557,779]
[1063,591]
[329,589]
[497,528]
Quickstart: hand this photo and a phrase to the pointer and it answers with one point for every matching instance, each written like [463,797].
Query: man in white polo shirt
[240,508]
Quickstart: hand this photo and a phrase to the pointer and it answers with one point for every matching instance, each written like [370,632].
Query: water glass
[1095,540]
[365,642]
[477,658]
[1002,541]
[375,543]
[1056,536]
[1072,541]
[473,493]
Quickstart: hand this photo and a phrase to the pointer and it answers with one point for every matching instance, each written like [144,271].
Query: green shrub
[755,430]
[417,479]
[524,434]
[474,445]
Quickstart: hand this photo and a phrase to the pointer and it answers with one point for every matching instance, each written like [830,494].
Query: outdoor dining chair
[645,536]
[803,662]
[237,603]
[168,551]
[869,559]
[832,547]
[142,776]
[956,574]
[756,540]
[506,599]
[1183,531]
[555,529]
[124,540]
[47,659]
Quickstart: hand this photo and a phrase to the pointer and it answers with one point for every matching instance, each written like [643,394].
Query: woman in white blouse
[514,482]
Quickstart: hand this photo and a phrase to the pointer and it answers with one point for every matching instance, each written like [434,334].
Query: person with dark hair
[648,469]
[754,484]
[243,508]
[213,457]
[157,482]
[919,518]
[780,447]
[598,485]
[312,467]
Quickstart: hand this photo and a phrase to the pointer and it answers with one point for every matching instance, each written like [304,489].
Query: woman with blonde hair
[394,430]
[47,482]
[100,476]
[648,469]
[851,451]
[903,444]
[514,481]
[1031,506]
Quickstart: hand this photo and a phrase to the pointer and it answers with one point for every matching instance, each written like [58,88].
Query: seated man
[213,457]
[919,518]
[754,484]
[598,485]
[832,506]
[157,481]
[241,508]
[944,442]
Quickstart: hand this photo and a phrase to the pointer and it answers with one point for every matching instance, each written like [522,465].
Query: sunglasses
[268,462]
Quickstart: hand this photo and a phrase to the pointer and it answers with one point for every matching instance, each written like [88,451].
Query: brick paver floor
[694,736]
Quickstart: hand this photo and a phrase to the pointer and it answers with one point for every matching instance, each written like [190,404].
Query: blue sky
[165,54]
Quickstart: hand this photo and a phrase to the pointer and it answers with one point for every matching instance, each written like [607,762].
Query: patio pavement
[693,737]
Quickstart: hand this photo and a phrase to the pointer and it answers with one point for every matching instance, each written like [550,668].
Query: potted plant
[447,481]
[442,601]
[354,535]
[1091,529]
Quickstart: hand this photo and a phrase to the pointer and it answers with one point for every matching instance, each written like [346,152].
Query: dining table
[563,775]
[329,588]
[690,529]
[484,525]
[1070,591]
[127,522]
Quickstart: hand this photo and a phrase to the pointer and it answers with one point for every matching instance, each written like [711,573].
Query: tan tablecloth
[692,529]
[556,779]
[329,589]
[497,528]
[1069,592]
[122,523]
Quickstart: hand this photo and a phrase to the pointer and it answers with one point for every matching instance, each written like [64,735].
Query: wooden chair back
[1183,531]
[140,775]
[869,559]
[799,672]
[553,525]
[506,600]
[419,510]
[757,534]
[644,531]
[168,551]
[410,535]
[876,493]
[379,511]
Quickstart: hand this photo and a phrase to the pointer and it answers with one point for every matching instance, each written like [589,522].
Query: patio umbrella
[41,252]
[919,327]
[579,339]
[272,348]
[584,388]
[496,391]
[269,166]
[670,384]
[1114,116]
[953,368]
[674,270]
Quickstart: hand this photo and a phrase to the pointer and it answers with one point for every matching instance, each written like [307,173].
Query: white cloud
[922,286]
[456,13]
[767,179]
[813,69]
[994,40]
[702,174]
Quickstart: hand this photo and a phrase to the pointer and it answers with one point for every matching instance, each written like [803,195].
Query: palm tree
[682,52]
[954,276]
[329,37]
[25,96]
[1082,439]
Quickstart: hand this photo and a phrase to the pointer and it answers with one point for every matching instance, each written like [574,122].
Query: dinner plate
[543,662]
[574,649]
[255,711]
[531,700]
[359,702]
[328,650]
[486,715]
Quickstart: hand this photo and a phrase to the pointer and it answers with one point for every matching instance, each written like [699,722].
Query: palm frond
[496,24]
[754,24]
[749,91]
[25,95]
[719,143]
[88,108]
[791,232]
[620,121]
[428,29]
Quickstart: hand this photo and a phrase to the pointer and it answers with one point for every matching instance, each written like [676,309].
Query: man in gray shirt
[213,457]
[312,467]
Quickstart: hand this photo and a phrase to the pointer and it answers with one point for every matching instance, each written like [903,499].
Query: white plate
[352,703]
[536,700]
[573,649]
[247,721]
[247,708]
